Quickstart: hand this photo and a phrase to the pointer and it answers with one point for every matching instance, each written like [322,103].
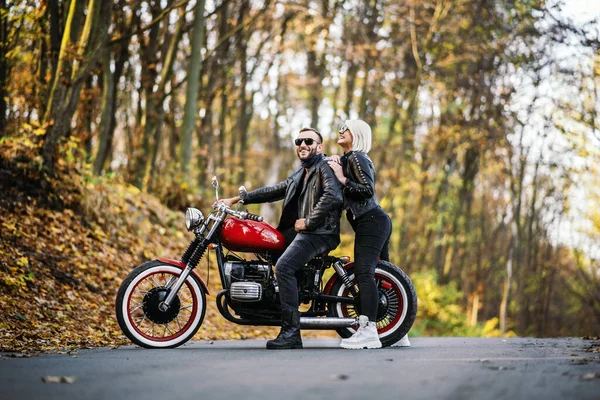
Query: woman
[371,225]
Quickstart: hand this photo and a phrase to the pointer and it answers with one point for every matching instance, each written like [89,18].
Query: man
[310,223]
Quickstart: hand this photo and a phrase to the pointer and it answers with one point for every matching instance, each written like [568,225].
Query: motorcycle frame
[192,256]
[316,296]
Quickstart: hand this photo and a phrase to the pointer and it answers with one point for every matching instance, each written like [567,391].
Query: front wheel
[137,304]
[397,303]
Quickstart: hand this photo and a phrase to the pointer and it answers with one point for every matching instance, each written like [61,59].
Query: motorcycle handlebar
[238,214]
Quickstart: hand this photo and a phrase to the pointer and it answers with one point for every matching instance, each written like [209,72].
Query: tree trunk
[150,111]
[165,76]
[55,37]
[507,283]
[316,72]
[193,83]
[64,94]
[222,127]
[350,82]
[108,120]
[106,114]
[243,117]
[3,62]
[85,115]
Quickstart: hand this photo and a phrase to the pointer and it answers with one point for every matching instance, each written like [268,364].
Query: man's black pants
[301,250]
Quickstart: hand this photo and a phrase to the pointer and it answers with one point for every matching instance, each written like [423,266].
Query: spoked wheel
[397,303]
[138,312]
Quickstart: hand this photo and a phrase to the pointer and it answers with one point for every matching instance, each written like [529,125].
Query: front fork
[173,288]
[191,258]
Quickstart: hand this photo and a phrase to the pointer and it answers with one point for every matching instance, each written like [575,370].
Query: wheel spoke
[170,331]
[154,282]
[136,308]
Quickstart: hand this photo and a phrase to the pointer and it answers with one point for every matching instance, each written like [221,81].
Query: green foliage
[440,313]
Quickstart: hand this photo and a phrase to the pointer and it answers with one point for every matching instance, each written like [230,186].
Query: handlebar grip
[254,217]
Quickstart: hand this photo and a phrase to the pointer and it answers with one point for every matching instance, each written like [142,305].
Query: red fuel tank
[251,236]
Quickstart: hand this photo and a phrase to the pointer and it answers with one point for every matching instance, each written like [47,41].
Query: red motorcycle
[161,303]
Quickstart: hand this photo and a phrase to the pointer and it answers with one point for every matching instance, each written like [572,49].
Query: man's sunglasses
[308,141]
[343,129]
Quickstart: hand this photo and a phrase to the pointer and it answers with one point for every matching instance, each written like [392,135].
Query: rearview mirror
[215,183]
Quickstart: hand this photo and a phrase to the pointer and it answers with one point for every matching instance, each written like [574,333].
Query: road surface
[432,368]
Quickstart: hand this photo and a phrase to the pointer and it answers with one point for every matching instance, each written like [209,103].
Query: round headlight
[193,218]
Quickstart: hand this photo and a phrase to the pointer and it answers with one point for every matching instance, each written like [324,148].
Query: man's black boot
[289,336]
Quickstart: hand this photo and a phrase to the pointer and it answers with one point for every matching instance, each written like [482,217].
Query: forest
[115,115]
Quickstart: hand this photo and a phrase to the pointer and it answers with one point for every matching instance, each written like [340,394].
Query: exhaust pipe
[327,322]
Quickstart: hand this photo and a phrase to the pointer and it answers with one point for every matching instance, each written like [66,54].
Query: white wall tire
[140,320]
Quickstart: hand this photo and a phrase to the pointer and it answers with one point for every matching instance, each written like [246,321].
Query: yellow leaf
[22,261]
[10,225]
[133,190]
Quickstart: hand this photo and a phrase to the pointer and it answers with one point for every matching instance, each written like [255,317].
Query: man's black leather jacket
[359,191]
[322,199]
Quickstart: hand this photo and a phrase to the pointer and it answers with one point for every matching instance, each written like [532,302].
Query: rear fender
[180,265]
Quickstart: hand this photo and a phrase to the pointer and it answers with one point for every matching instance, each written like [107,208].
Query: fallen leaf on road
[582,361]
[340,377]
[590,376]
[58,379]
[500,368]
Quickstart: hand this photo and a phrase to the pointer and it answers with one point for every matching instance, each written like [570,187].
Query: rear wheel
[137,304]
[397,303]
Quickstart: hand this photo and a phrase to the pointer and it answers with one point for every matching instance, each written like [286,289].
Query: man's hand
[338,171]
[229,202]
[300,225]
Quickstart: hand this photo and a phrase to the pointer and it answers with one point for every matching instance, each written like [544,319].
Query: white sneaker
[404,342]
[366,337]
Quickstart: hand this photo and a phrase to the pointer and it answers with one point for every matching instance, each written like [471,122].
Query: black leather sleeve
[360,182]
[330,199]
[267,193]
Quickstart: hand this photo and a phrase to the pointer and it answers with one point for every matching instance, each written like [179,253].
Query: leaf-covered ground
[65,250]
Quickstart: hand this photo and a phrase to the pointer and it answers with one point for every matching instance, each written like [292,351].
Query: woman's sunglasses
[308,141]
[343,129]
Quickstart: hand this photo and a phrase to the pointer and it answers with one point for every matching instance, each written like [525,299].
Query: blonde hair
[361,132]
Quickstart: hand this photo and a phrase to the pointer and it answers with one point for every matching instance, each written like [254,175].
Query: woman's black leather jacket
[359,191]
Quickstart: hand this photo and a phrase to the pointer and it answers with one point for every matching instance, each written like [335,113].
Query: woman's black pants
[373,230]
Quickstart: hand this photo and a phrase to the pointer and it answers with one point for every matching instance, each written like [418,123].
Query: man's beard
[311,153]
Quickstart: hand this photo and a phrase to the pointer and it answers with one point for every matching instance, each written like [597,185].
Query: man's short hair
[308,128]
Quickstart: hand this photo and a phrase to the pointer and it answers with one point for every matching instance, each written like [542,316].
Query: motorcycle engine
[248,280]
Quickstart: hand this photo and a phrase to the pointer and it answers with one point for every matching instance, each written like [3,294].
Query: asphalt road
[433,368]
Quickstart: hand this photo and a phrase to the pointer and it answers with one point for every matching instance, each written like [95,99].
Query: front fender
[179,264]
